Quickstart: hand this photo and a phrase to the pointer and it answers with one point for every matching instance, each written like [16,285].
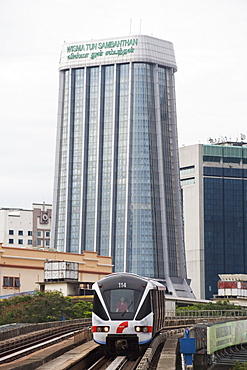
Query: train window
[98,309]
[145,308]
[122,302]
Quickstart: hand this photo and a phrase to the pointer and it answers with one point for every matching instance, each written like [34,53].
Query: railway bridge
[218,338]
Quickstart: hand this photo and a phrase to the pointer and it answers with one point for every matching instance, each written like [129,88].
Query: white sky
[209,38]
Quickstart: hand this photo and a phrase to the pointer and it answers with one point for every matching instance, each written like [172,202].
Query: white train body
[128,311]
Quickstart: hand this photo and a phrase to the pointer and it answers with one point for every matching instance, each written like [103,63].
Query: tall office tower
[214,188]
[117,187]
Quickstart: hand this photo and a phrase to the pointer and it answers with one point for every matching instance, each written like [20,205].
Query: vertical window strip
[61,201]
[141,219]
[121,180]
[107,147]
[77,160]
[169,196]
[92,157]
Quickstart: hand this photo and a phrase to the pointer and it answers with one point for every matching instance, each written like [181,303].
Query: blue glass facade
[117,175]
[225,224]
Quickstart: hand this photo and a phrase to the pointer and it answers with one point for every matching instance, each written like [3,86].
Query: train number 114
[122,285]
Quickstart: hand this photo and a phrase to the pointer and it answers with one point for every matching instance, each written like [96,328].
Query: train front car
[125,312]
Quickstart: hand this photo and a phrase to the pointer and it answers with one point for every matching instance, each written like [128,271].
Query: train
[128,311]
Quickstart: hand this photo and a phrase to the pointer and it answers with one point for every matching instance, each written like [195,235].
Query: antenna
[130,25]
[140,27]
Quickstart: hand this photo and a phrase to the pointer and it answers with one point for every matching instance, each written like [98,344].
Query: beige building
[22,269]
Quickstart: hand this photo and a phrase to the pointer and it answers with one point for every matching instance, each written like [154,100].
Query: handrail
[206,313]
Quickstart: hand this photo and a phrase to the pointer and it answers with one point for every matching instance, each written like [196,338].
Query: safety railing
[206,313]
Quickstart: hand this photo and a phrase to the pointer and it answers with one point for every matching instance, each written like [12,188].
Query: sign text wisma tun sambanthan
[98,49]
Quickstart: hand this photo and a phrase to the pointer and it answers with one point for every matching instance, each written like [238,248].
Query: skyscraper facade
[117,187]
[214,188]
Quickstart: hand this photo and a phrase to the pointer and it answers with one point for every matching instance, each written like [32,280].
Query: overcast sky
[209,38]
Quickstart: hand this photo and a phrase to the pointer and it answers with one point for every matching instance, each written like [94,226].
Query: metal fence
[206,313]
[19,329]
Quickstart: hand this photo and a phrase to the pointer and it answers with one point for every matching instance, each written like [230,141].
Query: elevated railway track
[16,349]
[23,345]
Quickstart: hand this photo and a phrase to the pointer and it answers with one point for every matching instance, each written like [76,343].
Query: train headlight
[143,329]
[100,329]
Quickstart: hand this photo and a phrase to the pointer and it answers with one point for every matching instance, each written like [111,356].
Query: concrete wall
[193,218]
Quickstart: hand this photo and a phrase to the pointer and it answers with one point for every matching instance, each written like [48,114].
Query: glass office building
[117,188]
[214,183]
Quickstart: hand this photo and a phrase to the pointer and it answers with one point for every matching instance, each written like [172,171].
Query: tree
[218,306]
[83,309]
[48,306]
[41,307]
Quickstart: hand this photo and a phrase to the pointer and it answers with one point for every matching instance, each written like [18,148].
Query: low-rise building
[233,287]
[26,227]
[22,269]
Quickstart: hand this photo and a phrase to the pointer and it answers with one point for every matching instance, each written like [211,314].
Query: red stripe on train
[122,326]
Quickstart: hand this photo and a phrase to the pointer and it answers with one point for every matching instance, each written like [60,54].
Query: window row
[20,241]
[29,242]
[30,233]
[20,232]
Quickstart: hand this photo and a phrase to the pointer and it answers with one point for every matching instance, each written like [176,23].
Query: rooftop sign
[125,49]
[105,48]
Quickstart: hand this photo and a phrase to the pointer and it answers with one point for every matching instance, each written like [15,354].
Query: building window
[38,242]
[187,170]
[38,233]
[213,171]
[9,281]
[11,232]
[20,232]
[29,242]
[11,241]
[29,233]
[47,243]
[188,181]
[20,241]
[47,234]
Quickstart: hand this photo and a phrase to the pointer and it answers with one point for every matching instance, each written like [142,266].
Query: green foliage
[239,366]
[83,309]
[219,306]
[48,306]
[42,307]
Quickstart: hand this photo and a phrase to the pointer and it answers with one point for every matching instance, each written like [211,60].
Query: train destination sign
[99,49]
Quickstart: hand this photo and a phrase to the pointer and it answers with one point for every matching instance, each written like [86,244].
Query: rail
[19,346]
[14,331]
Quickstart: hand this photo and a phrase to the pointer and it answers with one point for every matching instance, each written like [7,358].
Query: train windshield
[122,303]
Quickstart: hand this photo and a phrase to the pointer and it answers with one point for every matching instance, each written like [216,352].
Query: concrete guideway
[65,354]
[71,357]
[170,355]
[56,352]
